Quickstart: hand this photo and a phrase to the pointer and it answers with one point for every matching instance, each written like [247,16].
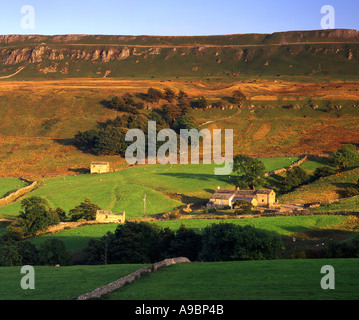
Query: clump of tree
[142,242]
[323,172]
[295,177]
[238,97]
[84,211]
[126,103]
[154,95]
[106,141]
[36,215]
[345,156]
[169,94]
[352,191]
[53,252]
[199,103]
[183,100]
[17,253]
[251,171]
[230,242]
[242,207]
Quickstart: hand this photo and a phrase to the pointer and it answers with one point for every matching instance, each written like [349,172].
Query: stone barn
[224,198]
[100,167]
[105,216]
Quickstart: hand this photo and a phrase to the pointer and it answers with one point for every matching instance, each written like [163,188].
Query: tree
[110,141]
[186,243]
[128,98]
[28,252]
[154,95]
[351,192]
[169,94]
[295,177]
[130,121]
[36,215]
[87,140]
[252,170]
[61,214]
[9,254]
[242,207]
[136,243]
[182,99]
[53,251]
[322,172]
[98,249]
[123,103]
[238,97]
[199,103]
[86,210]
[117,103]
[345,156]
[230,242]
[184,122]
[170,113]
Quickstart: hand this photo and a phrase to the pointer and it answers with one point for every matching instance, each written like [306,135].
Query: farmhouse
[100,167]
[105,216]
[224,198]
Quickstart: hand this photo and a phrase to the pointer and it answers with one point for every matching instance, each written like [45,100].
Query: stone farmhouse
[100,167]
[224,198]
[105,216]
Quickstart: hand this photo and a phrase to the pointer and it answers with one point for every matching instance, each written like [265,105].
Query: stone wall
[298,163]
[17,194]
[97,293]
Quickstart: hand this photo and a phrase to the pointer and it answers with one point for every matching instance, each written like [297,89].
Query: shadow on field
[201,176]
[65,142]
[80,170]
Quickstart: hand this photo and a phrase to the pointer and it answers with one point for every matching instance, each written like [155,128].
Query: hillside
[40,118]
[301,91]
[239,280]
[321,54]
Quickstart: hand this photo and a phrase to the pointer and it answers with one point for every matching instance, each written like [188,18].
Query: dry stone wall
[17,194]
[97,293]
[298,163]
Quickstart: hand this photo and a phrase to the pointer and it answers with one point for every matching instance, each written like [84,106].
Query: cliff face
[40,53]
[292,53]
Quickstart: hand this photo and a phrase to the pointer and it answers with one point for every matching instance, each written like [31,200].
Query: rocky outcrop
[38,54]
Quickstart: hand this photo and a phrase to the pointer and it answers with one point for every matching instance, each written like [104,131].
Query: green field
[328,188]
[351,204]
[8,185]
[166,187]
[60,283]
[240,280]
[246,280]
[78,238]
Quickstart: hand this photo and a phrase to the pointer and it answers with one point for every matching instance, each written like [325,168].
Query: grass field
[351,204]
[78,238]
[241,280]
[328,188]
[8,185]
[60,283]
[167,187]
[246,280]
[40,118]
